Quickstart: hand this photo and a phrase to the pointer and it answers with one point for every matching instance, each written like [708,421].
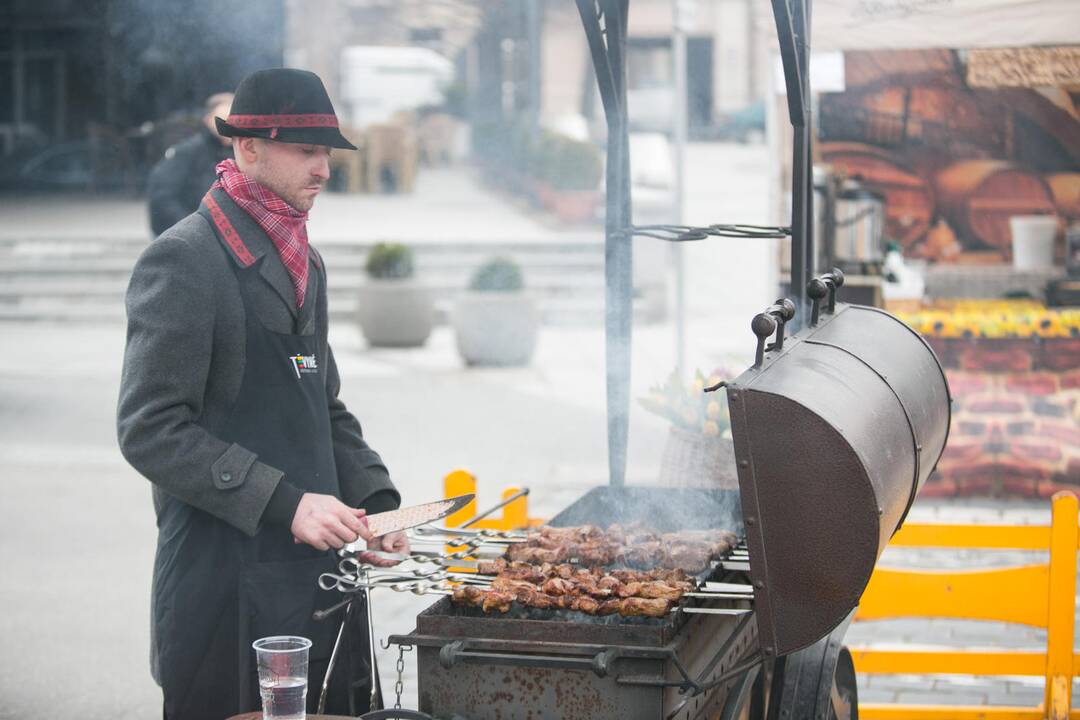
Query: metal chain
[400,685]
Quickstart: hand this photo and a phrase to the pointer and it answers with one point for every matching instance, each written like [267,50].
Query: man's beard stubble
[271,179]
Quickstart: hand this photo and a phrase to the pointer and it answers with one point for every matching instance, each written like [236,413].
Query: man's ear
[245,149]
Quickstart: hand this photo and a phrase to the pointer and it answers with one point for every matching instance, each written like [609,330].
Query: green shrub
[497,275]
[389,261]
[569,164]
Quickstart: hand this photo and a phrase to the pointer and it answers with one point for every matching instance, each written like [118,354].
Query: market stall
[947,173]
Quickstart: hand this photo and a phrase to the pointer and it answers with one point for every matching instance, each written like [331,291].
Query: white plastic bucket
[1033,241]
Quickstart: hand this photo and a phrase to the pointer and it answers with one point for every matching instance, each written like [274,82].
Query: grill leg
[741,695]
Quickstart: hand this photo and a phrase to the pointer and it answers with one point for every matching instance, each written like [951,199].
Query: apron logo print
[304,364]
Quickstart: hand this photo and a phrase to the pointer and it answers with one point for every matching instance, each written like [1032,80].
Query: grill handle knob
[821,286]
[763,326]
[766,323]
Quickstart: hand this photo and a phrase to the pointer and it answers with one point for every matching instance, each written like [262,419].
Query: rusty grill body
[563,664]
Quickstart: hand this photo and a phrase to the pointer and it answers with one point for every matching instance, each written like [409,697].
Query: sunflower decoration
[993,319]
[688,406]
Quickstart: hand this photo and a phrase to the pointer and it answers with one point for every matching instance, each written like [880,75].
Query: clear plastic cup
[283,669]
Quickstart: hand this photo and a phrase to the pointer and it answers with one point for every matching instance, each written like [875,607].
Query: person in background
[229,406]
[179,180]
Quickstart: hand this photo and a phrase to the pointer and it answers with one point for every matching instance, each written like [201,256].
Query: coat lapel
[271,269]
[273,272]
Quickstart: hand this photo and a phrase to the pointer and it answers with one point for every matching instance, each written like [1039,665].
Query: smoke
[660,509]
[168,56]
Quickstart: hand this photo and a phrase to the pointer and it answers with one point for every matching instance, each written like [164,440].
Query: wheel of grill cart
[816,683]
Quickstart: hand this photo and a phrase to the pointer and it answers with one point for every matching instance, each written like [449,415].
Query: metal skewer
[520,493]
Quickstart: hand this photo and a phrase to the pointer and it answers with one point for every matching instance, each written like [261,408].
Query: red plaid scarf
[286,226]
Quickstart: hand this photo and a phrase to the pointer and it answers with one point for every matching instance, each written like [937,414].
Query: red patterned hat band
[252,122]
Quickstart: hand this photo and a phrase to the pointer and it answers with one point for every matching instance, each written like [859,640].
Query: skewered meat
[496,601]
[588,545]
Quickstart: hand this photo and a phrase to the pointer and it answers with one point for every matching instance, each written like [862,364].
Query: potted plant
[394,309]
[572,169]
[495,321]
[698,451]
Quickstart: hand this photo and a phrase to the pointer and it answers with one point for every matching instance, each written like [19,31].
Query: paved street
[76,527]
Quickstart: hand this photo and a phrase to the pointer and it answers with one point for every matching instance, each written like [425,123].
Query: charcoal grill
[836,427]
[545,663]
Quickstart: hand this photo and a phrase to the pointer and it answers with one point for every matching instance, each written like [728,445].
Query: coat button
[226,477]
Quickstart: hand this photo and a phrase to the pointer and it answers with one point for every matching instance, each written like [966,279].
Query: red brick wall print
[1016,417]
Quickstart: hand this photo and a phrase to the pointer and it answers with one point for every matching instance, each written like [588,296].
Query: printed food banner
[958,142]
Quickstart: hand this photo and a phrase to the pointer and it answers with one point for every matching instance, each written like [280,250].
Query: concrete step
[443,284]
[85,279]
[561,311]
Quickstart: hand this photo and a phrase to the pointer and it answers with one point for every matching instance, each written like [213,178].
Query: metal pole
[608,48]
[679,119]
[792,29]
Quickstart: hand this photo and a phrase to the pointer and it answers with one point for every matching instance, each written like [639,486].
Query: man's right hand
[325,522]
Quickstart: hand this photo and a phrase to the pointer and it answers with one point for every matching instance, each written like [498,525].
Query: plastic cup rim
[302,643]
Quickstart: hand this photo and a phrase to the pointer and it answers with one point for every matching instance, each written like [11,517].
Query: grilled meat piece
[635,607]
[643,553]
[676,577]
[694,558]
[586,604]
[497,602]
[491,567]
[644,607]
[487,600]
[658,589]
[559,586]
[523,552]
[511,585]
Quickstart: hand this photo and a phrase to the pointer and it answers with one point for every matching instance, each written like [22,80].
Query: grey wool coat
[184,363]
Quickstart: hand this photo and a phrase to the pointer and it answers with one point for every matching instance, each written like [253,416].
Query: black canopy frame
[605,23]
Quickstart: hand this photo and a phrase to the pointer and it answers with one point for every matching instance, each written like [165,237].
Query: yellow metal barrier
[513,517]
[1042,595]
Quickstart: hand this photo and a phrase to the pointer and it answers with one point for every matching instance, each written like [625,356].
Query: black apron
[217,589]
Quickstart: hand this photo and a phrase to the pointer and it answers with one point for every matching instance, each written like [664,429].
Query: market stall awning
[913,24]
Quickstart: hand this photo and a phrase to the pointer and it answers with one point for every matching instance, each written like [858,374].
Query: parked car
[69,166]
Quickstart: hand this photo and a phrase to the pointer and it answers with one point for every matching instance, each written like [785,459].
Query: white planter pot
[495,328]
[395,313]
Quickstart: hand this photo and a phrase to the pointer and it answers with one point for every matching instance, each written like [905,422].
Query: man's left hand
[395,542]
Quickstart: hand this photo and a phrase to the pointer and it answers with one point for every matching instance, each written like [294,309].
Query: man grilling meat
[229,406]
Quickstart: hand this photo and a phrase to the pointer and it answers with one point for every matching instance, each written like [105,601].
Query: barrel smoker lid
[828,462]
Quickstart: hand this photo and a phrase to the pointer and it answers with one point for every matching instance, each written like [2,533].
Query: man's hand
[394,542]
[324,522]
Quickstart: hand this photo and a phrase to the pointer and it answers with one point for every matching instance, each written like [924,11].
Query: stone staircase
[84,279]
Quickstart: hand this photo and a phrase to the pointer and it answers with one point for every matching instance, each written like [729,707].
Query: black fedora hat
[285,105]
